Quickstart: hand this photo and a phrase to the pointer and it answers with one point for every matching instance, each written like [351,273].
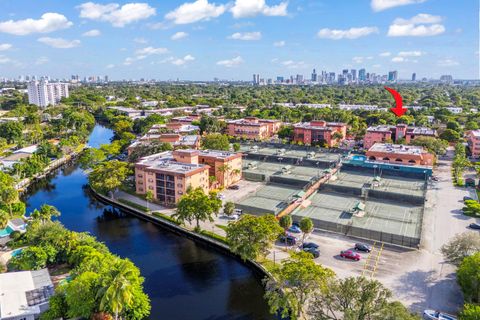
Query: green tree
[461,246]
[352,298]
[57,308]
[45,213]
[91,157]
[471,208]
[306,225]
[252,236]
[149,198]
[470,312]
[236,146]
[285,222]
[12,131]
[4,217]
[9,196]
[108,176]
[215,141]
[293,283]
[195,205]
[228,208]
[450,135]
[468,276]
[80,295]
[434,145]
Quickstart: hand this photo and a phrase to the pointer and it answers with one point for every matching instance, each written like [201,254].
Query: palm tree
[225,168]
[306,225]
[285,222]
[9,196]
[45,213]
[149,198]
[4,216]
[117,292]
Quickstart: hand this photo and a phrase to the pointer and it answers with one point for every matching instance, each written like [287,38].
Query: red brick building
[319,132]
[400,154]
[253,128]
[390,134]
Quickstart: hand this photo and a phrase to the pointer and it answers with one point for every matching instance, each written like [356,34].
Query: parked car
[349,254]
[294,229]
[238,211]
[362,247]
[309,245]
[234,217]
[437,315]
[314,252]
[467,198]
[220,196]
[474,226]
[289,239]
[234,187]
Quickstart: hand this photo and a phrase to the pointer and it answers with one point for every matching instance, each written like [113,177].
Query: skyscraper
[414,76]
[354,74]
[42,93]
[362,75]
[314,76]
[393,76]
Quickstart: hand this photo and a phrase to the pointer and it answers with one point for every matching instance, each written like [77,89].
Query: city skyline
[203,40]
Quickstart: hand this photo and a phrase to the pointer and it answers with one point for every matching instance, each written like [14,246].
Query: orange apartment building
[389,134]
[473,140]
[400,154]
[169,174]
[319,132]
[253,128]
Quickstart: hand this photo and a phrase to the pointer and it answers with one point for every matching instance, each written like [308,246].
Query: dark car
[294,229]
[314,252]
[349,254]
[234,187]
[474,226]
[289,239]
[362,247]
[309,245]
[467,198]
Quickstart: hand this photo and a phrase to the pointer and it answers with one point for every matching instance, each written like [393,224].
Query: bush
[166,217]
[15,235]
[214,236]
[133,205]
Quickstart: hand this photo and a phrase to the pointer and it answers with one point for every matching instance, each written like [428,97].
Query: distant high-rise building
[392,76]
[42,93]
[105,79]
[446,78]
[354,74]
[345,72]
[299,78]
[279,79]
[314,76]
[256,79]
[362,75]
[414,76]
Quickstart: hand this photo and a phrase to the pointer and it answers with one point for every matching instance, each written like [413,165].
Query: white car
[234,217]
[220,196]
[437,315]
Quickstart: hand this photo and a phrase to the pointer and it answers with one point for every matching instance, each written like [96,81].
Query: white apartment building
[42,93]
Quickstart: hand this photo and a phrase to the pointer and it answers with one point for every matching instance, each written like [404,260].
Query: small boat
[437,315]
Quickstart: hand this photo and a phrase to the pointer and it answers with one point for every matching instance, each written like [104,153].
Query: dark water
[184,280]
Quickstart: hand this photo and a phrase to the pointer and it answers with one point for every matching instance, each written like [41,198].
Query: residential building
[455,110]
[389,134]
[24,295]
[42,93]
[319,132]
[253,128]
[177,141]
[473,140]
[169,174]
[400,154]
[393,76]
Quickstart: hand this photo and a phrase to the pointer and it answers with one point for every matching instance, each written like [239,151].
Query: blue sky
[203,39]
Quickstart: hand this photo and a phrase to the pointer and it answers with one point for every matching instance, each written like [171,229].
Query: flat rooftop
[290,152]
[380,216]
[164,161]
[269,198]
[276,169]
[397,149]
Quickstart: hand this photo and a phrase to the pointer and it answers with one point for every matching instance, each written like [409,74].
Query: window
[140,189]
[150,187]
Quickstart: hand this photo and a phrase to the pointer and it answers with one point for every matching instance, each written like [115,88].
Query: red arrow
[399,110]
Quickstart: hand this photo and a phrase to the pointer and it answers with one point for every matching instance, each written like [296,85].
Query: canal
[183,279]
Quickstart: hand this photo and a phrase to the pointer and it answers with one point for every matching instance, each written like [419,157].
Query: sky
[204,39]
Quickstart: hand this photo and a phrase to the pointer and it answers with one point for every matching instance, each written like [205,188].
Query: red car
[349,254]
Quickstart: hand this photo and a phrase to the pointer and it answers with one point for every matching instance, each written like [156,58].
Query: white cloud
[385,54]
[200,10]
[361,59]
[246,36]
[4,59]
[5,46]
[48,22]
[231,62]
[380,5]
[352,33]
[179,35]
[398,59]
[279,43]
[110,66]
[117,15]
[59,43]
[42,60]
[182,61]
[252,8]
[410,53]
[448,63]
[143,53]
[421,25]
[92,33]
[291,64]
